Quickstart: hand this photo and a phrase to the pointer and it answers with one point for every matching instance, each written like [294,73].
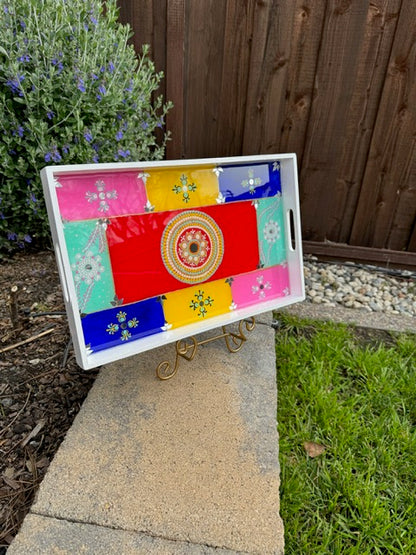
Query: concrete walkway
[184,466]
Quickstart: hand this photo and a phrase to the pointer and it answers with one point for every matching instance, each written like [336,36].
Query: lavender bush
[71,91]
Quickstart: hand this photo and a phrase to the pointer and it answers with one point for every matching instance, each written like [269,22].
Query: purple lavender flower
[32,199]
[24,58]
[102,91]
[65,149]
[53,155]
[123,153]
[11,236]
[80,85]
[111,67]
[94,21]
[27,238]
[50,114]
[96,158]
[14,84]
[56,62]
[20,131]
[88,136]
[56,156]
[119,135]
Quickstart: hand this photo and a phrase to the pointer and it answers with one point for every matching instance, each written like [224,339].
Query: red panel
[136,243]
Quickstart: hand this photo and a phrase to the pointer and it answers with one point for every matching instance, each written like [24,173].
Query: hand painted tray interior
[149,253]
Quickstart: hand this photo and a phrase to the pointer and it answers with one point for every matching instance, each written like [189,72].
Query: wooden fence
[333,81]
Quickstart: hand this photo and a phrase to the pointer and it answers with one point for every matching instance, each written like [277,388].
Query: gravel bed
[363,287]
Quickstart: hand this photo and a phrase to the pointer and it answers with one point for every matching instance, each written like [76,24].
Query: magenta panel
[261,285]
[100,195]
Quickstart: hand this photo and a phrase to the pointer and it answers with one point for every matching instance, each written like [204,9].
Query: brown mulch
[41,386]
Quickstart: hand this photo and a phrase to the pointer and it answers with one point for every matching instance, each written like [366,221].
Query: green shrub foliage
[72,90]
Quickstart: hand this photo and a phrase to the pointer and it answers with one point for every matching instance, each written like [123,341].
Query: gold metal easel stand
[187,348]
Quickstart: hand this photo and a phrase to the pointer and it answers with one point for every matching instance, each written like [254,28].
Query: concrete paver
[193,461]
[42,535]
[378,320]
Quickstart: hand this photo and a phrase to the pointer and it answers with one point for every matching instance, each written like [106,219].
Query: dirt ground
[41,386]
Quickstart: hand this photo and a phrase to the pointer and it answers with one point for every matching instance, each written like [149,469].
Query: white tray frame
[290,197]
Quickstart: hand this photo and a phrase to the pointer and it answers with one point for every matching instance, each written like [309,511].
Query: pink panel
[261,285]
[100,195]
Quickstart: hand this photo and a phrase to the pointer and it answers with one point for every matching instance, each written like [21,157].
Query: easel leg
[187,348]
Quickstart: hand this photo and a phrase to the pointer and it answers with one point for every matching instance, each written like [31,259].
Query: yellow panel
[182,187]
[195,304]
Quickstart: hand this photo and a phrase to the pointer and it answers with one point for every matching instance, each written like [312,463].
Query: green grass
[359,401]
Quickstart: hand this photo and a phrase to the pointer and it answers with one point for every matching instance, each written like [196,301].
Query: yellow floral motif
[201,303]
[184,188]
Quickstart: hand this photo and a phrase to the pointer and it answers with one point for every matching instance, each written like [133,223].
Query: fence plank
[373,61]
[337,66]
[175,75]
[404,207]
[306,40]
[235,72]
[139,15]
[268,72]
[204,61]
[389,181]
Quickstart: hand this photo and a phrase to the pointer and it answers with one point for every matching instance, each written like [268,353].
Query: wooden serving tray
[152,252]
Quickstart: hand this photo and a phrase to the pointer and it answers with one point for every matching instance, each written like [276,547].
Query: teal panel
[90,264]
[271,229]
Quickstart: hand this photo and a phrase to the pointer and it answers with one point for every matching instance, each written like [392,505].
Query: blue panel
[249,181]
[122,324]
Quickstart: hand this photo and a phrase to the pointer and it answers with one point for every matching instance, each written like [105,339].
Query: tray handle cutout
[292,229]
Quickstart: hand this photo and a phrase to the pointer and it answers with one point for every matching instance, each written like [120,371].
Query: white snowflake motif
[251,182]
[220,198]
[143,176]
[286,291]
[271,232]
[149,206]
[276,166]
[217,171]
[261,287]
[88,268]
[102,196]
